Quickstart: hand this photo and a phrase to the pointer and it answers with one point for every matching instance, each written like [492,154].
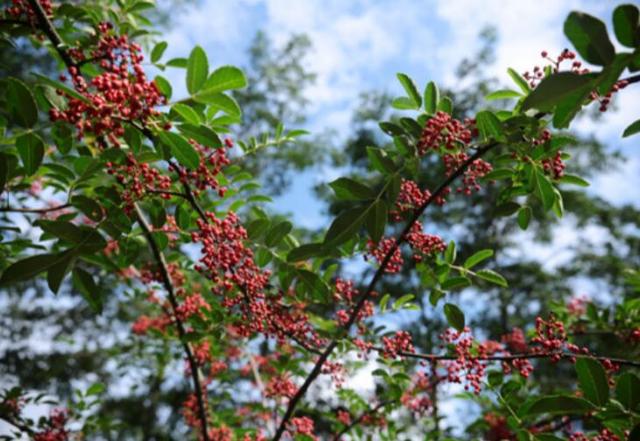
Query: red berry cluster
[120,93]
[205,177]
[21,8]
[498,428]
[424,244]
[302,426]
[554,166]
[444,131]
[381,249]
[54,429]
[476,170]
[417,398]
[604,435]
[280,386]
[400,342]
[138,180]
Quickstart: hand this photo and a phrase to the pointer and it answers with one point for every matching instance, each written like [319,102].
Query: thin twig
[358,420]
[317,368]
[33,210]
[17,424]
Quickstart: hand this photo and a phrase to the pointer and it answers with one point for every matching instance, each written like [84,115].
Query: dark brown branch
[17,424]
[358,420]
[9,21]
[33,210]
[317,368]
[168,285]
[47,27]
[632,79]
[512,357]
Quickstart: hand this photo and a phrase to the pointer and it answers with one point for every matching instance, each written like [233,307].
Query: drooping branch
[33,210]
[402,237]
[359,420]
[168,285]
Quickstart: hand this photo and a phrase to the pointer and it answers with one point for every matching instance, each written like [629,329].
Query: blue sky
[360,45]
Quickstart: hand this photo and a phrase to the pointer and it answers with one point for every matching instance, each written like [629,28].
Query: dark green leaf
[83,281]
[455,317]
[544,189]
[197,69]
[57,272]
[628,390]
[380,161]
[489,126]
[346,225]
[589,36]
[181,149]
[626,25]
[524,216]
[219,101]
[21,103]
[592,379]
[201,134]
[559,405]
[574,180]
[377,220]
[163,86]
[555,88]
[62,87]
[95,389]
[28,268]
[477,257]
[62,136]
[632,129]
[88,206]
[349,190]
[493,277]
[31,151]
[455,283]
[306,251]
[313,284]
[450,252]
[431,98]
[187,113]
[277,233]
[507,209]
[411,89]
[61,229]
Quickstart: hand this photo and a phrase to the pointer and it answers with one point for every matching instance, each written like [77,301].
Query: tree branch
[50,31]
[168,285]
[33,210]
[317,368]
[358,420]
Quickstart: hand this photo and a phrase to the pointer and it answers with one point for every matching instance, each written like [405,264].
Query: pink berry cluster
[120,93]
[417,398]
[395,345]
[303,426]
[476,170]
[20,9]
[603,435]
[138,180]
[55,427]
[205,177]
[442,131]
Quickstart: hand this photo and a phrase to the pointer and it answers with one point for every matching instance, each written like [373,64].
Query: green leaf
[88,206]
[455,283]
[219,101]
[450,252]
[313,284]
[431,98]
[573,180]
[477,257]
[181,149]
[62,136]
[349,190]
[377,220]
[197,70]
[492,276]
[520,82]
[225,78]
[455,317]
[411,89]
[555,88]
[628,390]
[589,36]
[524,216]
[507,209]
[62,87]
[632,129]
[306,251]
[21,103]
[559,405]
[626,25]
[402,301]
[158,51]
[57,272]
[95,389]
[187,113]
[403,103]
[499,173]
[346,225]
[28,268]
[164,86]
[61,229]
[445,105]
[83,281]
[31,151]
[544,189]
[201,134]
[503,94]
[277,233]
[489,126]
[435,295]
[380,161]
[383,302]
[593,382]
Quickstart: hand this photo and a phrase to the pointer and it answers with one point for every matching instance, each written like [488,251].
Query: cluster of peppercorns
[205,177]
[604,435]
[55,427]
[442,130]
[398,343]
[498,428]
[22,9]
[138,180]
[120,93]
[280,386]
[417,397]
[302,426]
